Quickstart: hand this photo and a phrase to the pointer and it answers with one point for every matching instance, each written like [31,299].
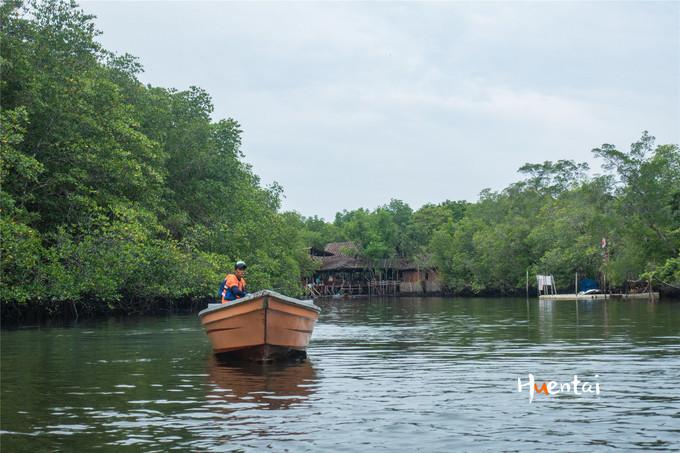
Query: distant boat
[262,326]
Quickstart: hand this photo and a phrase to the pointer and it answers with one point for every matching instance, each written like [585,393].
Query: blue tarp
[587,283]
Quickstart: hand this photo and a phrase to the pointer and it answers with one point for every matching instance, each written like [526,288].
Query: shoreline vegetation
[120,197]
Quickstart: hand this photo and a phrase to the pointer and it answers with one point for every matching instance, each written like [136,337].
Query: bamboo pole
[527,282]
[576,284]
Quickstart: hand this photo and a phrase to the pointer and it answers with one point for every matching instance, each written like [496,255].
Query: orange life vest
[232,280]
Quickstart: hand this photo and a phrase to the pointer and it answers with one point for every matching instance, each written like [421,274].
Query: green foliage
[550,222]
[117,192]
[646,190]
[318,233]
[668,273]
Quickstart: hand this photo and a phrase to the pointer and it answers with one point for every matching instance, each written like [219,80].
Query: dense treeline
[113,191]
[117,194]
[552,221]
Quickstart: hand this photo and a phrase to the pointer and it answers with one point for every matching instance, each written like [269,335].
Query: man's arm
[237,292]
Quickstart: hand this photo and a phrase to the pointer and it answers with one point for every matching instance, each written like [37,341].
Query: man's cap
[240,265]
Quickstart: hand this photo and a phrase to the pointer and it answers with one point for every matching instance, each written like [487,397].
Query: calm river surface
[408,374]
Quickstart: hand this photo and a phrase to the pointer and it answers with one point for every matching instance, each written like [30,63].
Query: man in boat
[234,285]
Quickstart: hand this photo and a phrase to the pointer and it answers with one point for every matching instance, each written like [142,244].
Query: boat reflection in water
[270,386]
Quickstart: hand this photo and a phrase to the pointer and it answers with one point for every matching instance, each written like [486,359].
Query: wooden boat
[262,326]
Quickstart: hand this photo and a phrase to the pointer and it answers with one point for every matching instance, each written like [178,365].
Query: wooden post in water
[527,283]
[576,284]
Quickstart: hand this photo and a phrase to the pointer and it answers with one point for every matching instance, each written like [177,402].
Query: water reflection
[271,386]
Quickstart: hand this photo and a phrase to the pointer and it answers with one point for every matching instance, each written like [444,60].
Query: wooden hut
[419,280]
[342,272]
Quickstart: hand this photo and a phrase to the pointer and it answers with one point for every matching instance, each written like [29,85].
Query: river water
[409,374]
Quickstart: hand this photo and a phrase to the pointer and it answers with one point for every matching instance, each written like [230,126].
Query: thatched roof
[313,251]
[339,262]
[341,248]
[342,262]
[343,256]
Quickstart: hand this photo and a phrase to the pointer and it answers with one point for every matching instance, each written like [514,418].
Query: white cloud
[350,104]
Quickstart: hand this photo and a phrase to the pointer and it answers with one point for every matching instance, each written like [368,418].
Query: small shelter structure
[343,272]
[417,280]
[546,285]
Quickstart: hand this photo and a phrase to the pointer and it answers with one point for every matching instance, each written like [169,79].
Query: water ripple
[410,374]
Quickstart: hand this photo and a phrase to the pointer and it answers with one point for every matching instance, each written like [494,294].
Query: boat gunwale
[261,294]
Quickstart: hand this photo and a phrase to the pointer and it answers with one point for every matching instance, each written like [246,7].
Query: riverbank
[14,314]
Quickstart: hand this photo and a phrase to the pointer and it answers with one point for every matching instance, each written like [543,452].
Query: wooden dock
[645,296]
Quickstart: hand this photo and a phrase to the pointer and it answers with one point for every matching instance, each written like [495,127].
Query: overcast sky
[350,104]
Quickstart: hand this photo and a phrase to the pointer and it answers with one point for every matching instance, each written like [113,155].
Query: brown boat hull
[265,326]
[264,353]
